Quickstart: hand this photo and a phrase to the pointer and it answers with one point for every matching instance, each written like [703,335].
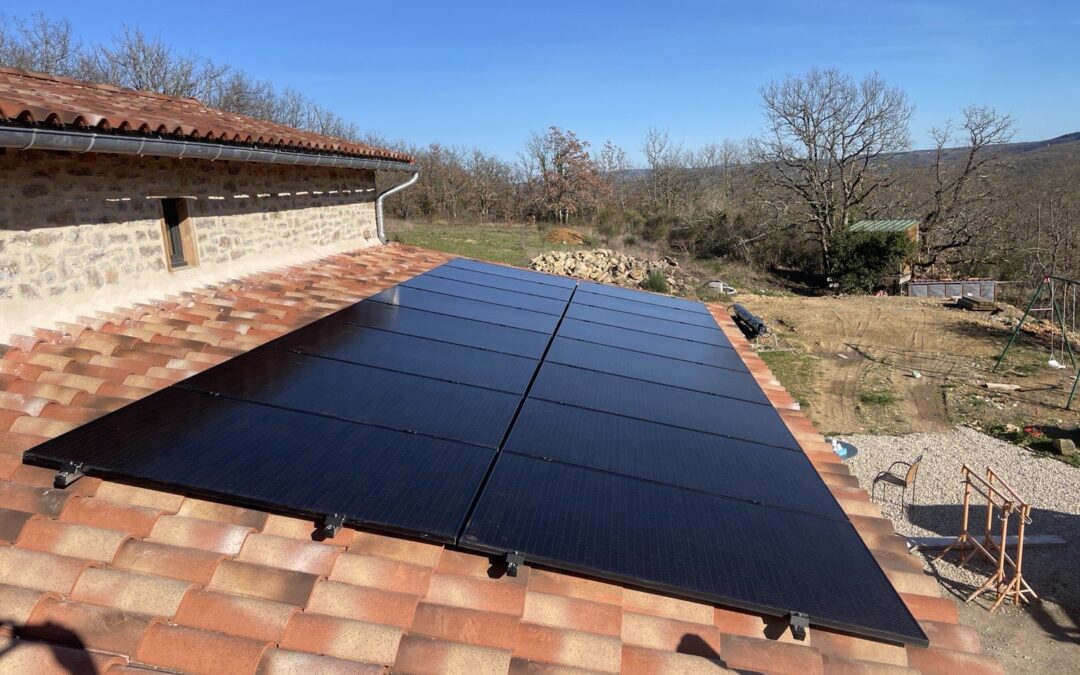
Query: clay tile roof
[149,579]
[38,99]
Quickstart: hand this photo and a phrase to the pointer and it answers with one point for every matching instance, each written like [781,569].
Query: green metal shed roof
[896,225]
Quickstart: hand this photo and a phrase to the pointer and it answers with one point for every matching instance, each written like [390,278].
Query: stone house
[108,196]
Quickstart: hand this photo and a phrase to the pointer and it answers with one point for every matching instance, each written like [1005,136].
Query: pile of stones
[611,267]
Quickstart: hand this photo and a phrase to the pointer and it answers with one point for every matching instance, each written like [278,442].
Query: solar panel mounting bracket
[799,623]
[331,524]
[514,561]
[68,474]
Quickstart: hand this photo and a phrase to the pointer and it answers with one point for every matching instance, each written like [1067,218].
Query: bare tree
[40,44]
[823,150]
[666,179]
[963,185]
[566,180]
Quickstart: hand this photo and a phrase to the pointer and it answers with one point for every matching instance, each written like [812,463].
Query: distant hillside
[1067,145]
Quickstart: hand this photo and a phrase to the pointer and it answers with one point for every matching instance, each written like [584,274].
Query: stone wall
[80,233]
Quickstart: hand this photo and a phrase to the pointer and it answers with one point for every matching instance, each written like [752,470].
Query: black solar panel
[497,296]
[650,343]
[688,543]
[465,308]
[282,460]
[691,459]
[362,394]
[414,355]
[506,283]
[709,379]
[647,324]
[452,329]
[595,429]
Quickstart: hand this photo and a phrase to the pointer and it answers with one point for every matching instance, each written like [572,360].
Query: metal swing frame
[1057,318]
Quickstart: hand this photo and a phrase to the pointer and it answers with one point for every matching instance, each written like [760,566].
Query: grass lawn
[498,242]
[796,371]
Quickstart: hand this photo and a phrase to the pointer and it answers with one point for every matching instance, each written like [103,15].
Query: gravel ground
[1051,487]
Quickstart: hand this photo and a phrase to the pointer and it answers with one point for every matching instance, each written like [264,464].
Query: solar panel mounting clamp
[331,524]
[514,561]
[68,474]
[799,623]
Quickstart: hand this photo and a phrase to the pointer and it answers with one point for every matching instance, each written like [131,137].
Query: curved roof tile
[34,98]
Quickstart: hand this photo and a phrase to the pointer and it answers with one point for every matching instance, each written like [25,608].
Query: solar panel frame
[651,343]
[501,282]
[496,296]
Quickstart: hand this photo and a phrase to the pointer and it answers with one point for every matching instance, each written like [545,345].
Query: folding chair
[902,480]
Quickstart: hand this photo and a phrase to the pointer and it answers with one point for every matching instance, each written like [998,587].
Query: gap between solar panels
[540,420]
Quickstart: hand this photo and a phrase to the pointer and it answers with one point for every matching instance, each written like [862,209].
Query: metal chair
[902,481]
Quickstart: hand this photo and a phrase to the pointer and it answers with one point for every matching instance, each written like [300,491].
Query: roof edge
[79,141]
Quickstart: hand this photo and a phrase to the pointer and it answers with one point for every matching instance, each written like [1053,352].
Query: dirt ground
[865,350]
[851,362]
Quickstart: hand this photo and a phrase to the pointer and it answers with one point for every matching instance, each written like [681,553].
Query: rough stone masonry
[83,232]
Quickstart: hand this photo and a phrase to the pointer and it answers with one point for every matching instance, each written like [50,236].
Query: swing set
[1064,295]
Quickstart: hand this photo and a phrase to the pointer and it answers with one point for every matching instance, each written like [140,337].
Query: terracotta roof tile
[838,644]
[17,604]
[547,581]
[300,528]
[103,628]
[396,548]
[14,443]
[208,535]
[362,604]
[41,426]
[653,662]
[954,636]
[376,572]
[343,638]
[137,496]
[253,618]
[173,562]
[666,606]
[291,554]
[947,662]
[21,497]
[743,653]
[45,658]
[198,651]
[559,611]
[927,608]
[137,521]
[568,648]
[31,405]
[259,581]
[40,571]
[139,593]
[11,524]
[653,632]
[470,626]
[488,595]
[69,539]
[838,665]
[225,513]
[286,662]
[421,655]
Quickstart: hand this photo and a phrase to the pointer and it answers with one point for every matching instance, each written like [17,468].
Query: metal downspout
[380,230]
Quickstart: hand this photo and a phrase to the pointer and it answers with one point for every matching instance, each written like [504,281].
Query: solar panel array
[590,428]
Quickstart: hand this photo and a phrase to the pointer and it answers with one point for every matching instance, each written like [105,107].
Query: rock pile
[610,267]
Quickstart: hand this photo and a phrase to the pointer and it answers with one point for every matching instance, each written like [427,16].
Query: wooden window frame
[182,233]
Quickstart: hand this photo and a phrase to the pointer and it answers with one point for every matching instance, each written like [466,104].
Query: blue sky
[485,74]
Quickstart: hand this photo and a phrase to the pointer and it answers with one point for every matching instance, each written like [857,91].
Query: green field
[498,242]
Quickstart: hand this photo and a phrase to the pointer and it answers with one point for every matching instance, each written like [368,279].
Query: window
[179,242]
